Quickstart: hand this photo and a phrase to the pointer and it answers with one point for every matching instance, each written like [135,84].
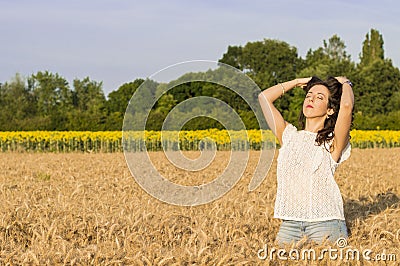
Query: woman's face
[316,102]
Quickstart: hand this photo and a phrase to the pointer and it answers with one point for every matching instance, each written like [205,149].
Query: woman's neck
[314,124]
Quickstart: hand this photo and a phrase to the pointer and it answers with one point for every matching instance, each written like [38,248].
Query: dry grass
[80,209]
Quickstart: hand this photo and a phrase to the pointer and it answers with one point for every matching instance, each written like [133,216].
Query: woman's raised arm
[267,97]
[343,122]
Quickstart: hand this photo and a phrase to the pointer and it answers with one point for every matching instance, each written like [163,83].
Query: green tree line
[46,101]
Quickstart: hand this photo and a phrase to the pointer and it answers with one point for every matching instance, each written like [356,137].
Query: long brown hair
[326,134]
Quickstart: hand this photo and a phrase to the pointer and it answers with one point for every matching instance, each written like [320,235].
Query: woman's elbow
[262,96]
[348,106]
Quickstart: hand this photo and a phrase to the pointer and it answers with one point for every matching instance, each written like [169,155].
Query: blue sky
[117,41]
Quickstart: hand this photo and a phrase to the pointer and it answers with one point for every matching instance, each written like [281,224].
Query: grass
[80,209]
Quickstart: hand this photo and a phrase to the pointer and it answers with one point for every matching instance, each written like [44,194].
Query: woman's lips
[309,106]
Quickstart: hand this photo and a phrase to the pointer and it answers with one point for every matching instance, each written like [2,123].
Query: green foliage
[202,123]
[378,87]
[329,60]
[372,49]
[292,113]
[266,62]
[53,100]
[233,57]
[89,112]
[15,102]
[388,121]
[178,94]
[117,103]
[118,99]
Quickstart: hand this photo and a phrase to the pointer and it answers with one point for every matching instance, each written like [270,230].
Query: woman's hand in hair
[302,82]
[342,79]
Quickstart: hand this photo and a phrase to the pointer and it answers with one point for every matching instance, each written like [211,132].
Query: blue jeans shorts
[293,231]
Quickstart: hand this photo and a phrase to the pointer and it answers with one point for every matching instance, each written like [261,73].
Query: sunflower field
[117,141]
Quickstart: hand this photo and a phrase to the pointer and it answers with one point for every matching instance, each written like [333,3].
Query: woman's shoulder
[342,155]
[288,132]
[290,127]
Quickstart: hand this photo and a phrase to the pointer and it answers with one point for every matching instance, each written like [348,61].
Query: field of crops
[86,209]
[116,141]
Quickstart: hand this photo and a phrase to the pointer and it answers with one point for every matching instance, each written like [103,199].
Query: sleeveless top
[307,190]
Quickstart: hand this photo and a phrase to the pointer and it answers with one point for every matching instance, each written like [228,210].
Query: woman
[308,199]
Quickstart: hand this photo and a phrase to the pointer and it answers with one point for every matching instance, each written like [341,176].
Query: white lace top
[307,190]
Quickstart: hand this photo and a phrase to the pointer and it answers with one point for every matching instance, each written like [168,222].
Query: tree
[117,103]
[329,60]
[139,106]
[372,49]
[377,86]
[18,106]
[89,111]
[165,103]
[118,100]
[267,62]
[54,100]
[335,49]
[233,57]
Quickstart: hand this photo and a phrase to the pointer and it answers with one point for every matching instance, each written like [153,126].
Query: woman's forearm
[278,90]
[347,99]
[272,115]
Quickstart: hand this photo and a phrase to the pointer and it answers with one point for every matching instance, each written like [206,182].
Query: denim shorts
[293,231]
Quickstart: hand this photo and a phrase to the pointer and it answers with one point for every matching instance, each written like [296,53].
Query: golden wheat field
[86,209]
